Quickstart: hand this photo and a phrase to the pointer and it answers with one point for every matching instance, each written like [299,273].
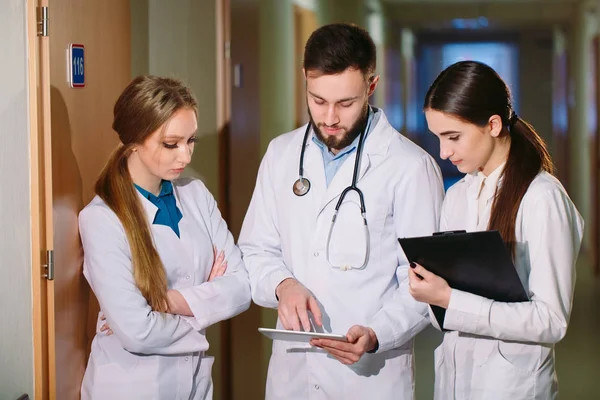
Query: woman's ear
[495,125]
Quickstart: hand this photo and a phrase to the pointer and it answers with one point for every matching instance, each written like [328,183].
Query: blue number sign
[77,68]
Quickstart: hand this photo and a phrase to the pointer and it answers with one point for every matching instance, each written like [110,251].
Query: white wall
[16,331]
[177,39]
[277,70]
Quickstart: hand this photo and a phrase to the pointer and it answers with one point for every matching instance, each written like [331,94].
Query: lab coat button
[187,359]
[187,277]
[316,254]
[316,387]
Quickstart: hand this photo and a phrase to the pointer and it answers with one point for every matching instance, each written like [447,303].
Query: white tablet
[299,336]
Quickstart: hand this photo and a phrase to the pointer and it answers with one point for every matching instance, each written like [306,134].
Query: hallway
[243,61]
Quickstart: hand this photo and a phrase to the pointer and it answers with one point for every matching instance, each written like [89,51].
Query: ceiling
[499,13]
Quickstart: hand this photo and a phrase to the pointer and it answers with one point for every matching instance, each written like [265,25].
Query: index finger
[412,276]
[303,315]
[315,310]
[425,274]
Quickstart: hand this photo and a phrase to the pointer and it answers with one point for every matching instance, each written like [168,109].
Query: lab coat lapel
[148,207]
[314,171]
[488,194]
[341,180]
[185,245]
[472,207]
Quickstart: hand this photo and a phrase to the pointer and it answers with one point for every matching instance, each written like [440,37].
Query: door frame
[595,160]
[223,98]
[38,70]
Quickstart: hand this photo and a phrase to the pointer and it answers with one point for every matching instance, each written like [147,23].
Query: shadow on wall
[70,286]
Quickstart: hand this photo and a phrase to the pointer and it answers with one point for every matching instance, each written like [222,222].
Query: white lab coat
[153,355]
[284,235]
[499,351]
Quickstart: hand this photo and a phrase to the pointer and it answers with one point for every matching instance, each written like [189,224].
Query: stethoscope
[302,186]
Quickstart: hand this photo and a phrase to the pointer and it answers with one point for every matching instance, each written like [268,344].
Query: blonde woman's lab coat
[285,236]
[153,355]
[500,351]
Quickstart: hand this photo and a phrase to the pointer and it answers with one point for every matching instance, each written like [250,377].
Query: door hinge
[42,21]
[49,266]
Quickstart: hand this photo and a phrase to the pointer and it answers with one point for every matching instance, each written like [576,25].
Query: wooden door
[248,369]
[71,141]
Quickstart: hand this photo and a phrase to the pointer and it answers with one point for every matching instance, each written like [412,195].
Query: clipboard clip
[448,233]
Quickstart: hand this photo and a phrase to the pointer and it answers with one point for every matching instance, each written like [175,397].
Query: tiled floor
[578,355]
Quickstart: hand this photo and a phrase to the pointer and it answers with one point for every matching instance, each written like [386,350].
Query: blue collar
[166,188]
[167,212]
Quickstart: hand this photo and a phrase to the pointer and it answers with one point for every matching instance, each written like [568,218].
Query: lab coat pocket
[287,375]
[204,390]
[382,376]
[483,348]
[350,241]
[113,352]
[381,229]
[506,375]
[524,357]
[113,381]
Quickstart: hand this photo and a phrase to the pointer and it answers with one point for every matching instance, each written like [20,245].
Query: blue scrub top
[167,214]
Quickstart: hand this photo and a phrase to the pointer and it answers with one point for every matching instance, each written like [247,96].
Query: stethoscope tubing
[302,186]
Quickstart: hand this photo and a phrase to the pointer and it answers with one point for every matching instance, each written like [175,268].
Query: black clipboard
[474,262]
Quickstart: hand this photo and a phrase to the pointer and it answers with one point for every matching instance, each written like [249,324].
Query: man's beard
[339,143]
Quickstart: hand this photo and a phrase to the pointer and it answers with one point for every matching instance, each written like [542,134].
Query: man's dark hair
[334,48]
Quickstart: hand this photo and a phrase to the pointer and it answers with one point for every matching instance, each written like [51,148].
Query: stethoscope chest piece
[301,186]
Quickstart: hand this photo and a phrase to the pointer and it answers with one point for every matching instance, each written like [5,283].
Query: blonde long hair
[145,105]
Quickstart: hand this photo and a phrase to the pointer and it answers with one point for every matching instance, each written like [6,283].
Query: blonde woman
[148,240]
